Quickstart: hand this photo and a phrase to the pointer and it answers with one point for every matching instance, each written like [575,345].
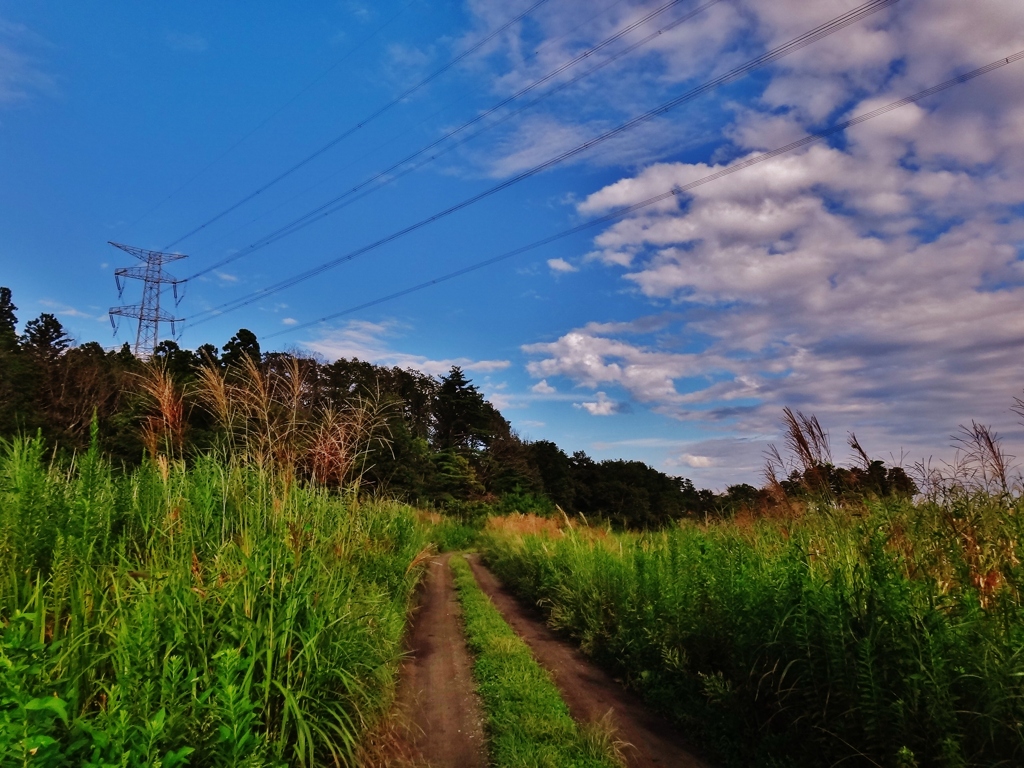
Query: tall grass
[212,616]
[889,636]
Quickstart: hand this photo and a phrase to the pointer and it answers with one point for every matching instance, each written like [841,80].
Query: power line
[363,123]
[674,192]
[813,35]
[547,43]
[272,115]
[335,204]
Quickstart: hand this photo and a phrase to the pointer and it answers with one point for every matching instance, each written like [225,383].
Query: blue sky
[874,280]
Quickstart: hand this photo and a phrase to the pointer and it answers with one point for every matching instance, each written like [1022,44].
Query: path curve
[436,692]
[588,690]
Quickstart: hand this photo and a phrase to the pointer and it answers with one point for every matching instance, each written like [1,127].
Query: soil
[591,694]
[437,700]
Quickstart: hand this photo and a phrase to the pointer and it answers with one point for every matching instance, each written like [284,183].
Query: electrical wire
[677,191]
[547,43]
[346,198]
[817,33]
[362,124]
[273,114]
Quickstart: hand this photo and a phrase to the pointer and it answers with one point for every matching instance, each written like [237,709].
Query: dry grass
[163,431]
[271,418]
[389,744]
[602,737]
[519,524]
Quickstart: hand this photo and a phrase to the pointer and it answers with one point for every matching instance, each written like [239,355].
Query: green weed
[220,615]
[528,723]
[891,637]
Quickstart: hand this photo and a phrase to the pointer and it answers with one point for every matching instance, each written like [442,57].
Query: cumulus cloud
[603,406]
[543,388]
[700,462]
[66,310]
[561,266]
[875,281]
[592,360]
[369,341]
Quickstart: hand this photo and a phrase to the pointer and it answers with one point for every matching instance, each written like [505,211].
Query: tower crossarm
[150,257]
[145,273]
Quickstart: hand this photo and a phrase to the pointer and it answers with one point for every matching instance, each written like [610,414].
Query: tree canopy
[445,443]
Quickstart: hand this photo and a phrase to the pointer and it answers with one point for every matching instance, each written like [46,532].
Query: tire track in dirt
[589,691]
[437,697]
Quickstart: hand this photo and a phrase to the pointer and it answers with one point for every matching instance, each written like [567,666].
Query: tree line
[443,444]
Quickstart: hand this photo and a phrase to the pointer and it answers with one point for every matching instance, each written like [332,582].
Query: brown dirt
[591,693]
[437,698]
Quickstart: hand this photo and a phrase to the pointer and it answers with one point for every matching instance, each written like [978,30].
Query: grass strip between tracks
[527,721]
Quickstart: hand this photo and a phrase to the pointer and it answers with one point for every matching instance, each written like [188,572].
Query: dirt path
[589,691]
[436,694]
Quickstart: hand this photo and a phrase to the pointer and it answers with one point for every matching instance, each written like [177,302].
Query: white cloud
[503,402]
[696,461]
[603,406]
[21,75]
[66,310]
[877,284]
[227,277]
[408,57]
[367,341]
[593,360]
[289,321]
[543,388]
[561,266]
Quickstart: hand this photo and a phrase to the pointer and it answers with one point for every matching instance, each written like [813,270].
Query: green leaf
[177,757]
[49,704]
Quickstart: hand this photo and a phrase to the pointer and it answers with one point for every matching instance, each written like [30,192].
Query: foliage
[428,441]
[453,536]
[8,320]
[888,637]
[813,474]
[631,494]
[461,415]
[527,721]
[215,615]
[45,336]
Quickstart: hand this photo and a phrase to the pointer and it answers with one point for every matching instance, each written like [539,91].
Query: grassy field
[218,615]
[528,723]
[889,635]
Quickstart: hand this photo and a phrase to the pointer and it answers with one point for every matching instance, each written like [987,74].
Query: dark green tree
[179,362]
[125,357]
[243,344]
[555,470]
[208,353]
[45,337]
[461,415]
[505,467]
[18,376]
[8,320]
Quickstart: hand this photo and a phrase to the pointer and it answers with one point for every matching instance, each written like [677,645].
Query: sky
[874,279]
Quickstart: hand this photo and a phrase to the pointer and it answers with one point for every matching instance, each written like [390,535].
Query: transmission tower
[148,312]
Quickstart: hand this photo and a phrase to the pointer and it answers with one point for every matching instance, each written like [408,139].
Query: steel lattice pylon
[148,312]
